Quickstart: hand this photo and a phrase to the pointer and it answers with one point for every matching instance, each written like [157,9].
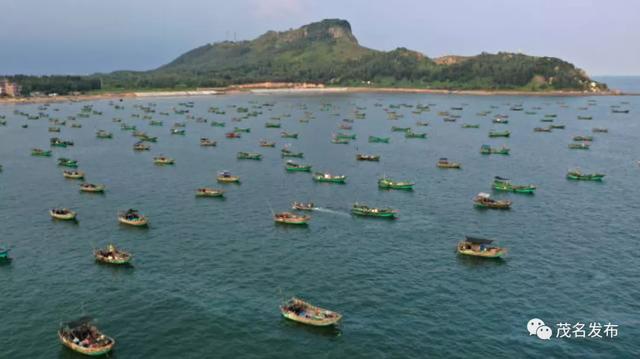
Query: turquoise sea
[208,275]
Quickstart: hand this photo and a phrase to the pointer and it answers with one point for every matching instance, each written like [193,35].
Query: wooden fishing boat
[469,125]
[479,247]
[484,200]
[345,136]
[232,135]
[546,120]
[156,123]
[112,255]
[205,142]
[65,162]
[303,206]
[140,146]
[585,117]
[550,115]
[340,141]
[577,175]
[600,130]
[241,129]
[177,131]
[295,167]
[400,129]
[92,188]
[302,312]
[542,129]
[557,127]
[583,138]
[209,192]
[249,156]
[73,174]
[422,123]
[63,214]
[218,124]
[147,138]
[54,129]
[132,217]
[291,218]
[56,142]
[445,163]
[285,152]
[387,183]
[504,184]
[265,143]
[163,160]
[40,152]
[364,210]
[500,120]
[411,134]
[619,111]
[344,126]
[272,125]
[126,127]
[363,157]
[226,177]
[488,150]
[285,134]
[494,133]
[374,139]
[83,337]
[579,146]
[104,134]
[326,177]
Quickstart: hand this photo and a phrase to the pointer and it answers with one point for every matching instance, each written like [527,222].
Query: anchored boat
[577,175]
[133,218]
[302,312]
[374,139]
[112,255]
[303,206]
[249,156]
[363,157]
[388,183]
[479,247]
[205,142]
[295,167]
[73,174]
[484,200]
[504,184]
[364,210]
[291,218]
[445,163]
[63,214]
[65,162]
[92,188]
[209,192]
[326,177]
[163,160]
[40,152]
[488,150]
[83,337]
[226,177]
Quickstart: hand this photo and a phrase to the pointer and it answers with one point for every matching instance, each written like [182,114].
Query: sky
[88,36]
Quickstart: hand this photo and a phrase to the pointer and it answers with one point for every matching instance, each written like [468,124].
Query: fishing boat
[92,188]
[249,156]
[226,177]
[557,127]
[126,127]
[141,146]
[205,142]
[500,120]
[73,174]
[63,214]
[178,131]
[445,163]
[546,120]
[364,210]
[54,129]
[272,125]
[551,115]
[422,123]
[344,126]
[265,143]
[619,111]
[133,218]
[504,184]
[388,183]
[488,150]
[400,129]
[65,162]
[56,142]
[411,134]
[484,200]
[340,141]
[163,160]
[600,130]
[303,206]
[112,255]
[494,133]
[469,125]
[542,129]
[4,254]
[209,192]
[479,247]
[583,138]
[374,139]
[302,312]
[285,134]
[579,146]
[363,157]
[345,136]
[585,117]
[326,177]
[577,175]
[291,218]
[83,337]
[40,152]
[156,123]
[285,152]
[218,124]
[232,135]
[104,134]
[295,167]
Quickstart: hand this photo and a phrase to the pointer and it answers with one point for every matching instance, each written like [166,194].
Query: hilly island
[328,53]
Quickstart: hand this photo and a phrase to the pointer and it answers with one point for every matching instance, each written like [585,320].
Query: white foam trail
[327,210]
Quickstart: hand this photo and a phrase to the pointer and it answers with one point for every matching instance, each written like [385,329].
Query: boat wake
[327,210]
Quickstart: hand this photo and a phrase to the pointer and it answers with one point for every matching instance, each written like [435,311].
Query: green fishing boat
[411,134]
[557,127]
[546,120]
[218,124]
[579,146]
[329,178]
[272,125]
[288,153]
[488,150]
[176,131]
[56,142]
[363,210]
[340,141]
[374,139]
[583,138]
[501,120]
[400,129]
[104,134]
[41,153]
[295,167]
[504,184]
[387,183]
[285,134]
[577,175]
[126,127]
[65,162]
[242,129]
[494,133]
[585,117]
[156,123]
[469,125]
[344,136]
[4,254]
[249,156]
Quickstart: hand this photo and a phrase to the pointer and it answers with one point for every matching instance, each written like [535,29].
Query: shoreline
[301,90]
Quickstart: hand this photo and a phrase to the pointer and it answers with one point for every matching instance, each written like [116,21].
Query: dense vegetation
[62,85]
[327,52]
